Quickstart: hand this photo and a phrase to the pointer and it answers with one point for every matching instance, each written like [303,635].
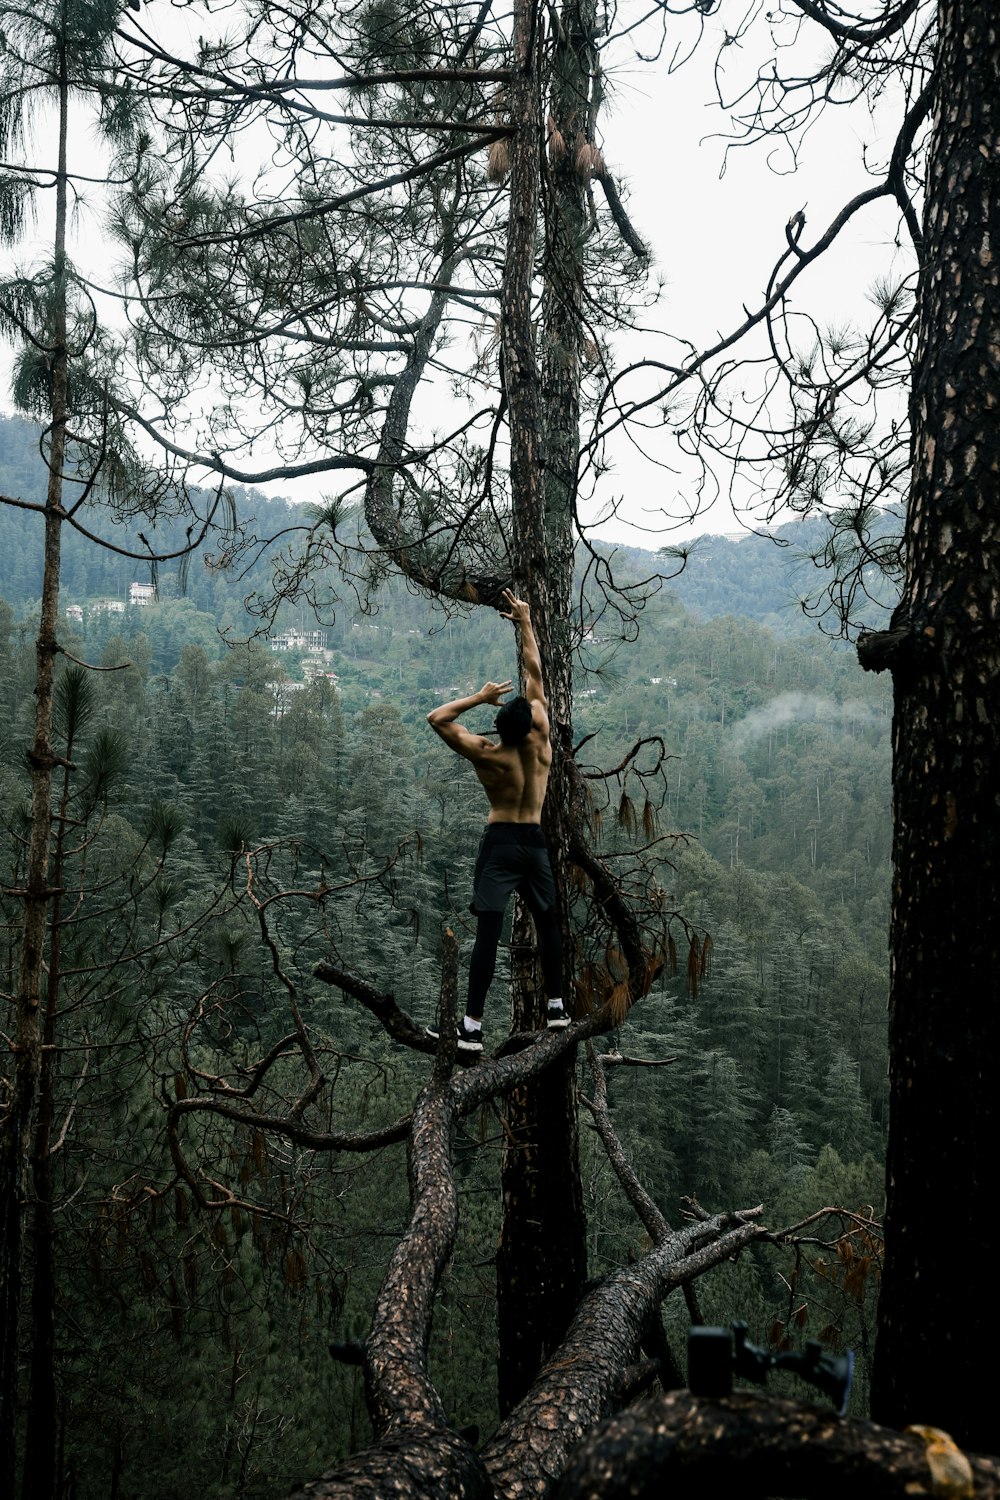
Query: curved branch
[897,165]
[437,569]
[292,1130]
[867,35]
[649,739]
[215,462]
[694,366]
[415,1446]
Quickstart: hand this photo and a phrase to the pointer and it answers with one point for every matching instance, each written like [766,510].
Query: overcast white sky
[714,238]
[716,224]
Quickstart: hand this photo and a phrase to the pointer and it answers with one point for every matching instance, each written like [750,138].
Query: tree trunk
[16,1133]
[944,651]
[40,1478]
[41,1470]
[541,1259]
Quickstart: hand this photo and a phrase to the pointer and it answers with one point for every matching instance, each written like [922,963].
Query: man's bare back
[514,777]
[512,853]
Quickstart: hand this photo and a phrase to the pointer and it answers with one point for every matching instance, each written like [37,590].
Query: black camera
[715,1355]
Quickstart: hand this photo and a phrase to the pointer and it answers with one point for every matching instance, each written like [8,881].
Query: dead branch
[417,1453]
[652,1219]
[623,1060]
[382,1006]
[290,1129]
[649,739]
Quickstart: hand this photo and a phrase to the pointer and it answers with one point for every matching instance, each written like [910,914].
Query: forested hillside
[762,578]
[232,816]
[255,1219]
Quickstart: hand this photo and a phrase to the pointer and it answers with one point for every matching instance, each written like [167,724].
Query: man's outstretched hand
[493,692]
[519,610]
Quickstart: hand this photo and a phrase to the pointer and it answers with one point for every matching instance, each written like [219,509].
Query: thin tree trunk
[16,1135]
[41,1473]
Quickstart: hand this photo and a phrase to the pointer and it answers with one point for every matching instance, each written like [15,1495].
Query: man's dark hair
[514,721]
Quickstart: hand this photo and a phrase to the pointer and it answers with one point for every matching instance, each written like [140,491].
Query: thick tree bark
[423,1464]
[41,1472]
[541,1258]
[751,1445]
[944,651]
[588,1374]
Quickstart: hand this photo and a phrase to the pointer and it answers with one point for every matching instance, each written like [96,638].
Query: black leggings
[483,962]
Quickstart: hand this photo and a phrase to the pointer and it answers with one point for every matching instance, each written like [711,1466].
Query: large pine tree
[944,654]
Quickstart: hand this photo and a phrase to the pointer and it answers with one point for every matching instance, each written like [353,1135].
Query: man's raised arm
[444,719]
[520,614]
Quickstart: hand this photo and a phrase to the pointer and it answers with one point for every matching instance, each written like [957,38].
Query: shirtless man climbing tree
[512,854]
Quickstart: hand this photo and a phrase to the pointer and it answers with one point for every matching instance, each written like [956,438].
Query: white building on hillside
[299,640]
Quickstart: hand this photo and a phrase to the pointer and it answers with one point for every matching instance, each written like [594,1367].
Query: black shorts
[512,857]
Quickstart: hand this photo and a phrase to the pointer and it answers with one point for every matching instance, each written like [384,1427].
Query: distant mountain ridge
[767,578]
[761,578]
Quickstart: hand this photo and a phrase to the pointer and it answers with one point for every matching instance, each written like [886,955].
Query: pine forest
[196,755]
[394,432]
